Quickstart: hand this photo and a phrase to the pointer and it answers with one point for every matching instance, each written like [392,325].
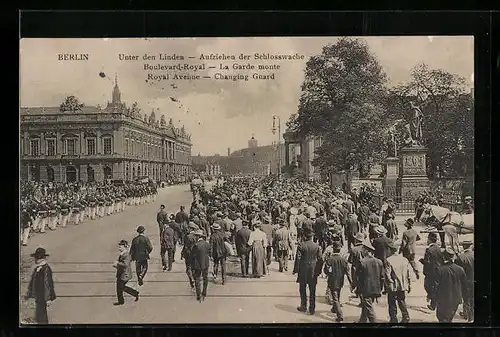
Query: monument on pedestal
[413,178]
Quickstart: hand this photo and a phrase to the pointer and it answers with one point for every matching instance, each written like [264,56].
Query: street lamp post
[279,141]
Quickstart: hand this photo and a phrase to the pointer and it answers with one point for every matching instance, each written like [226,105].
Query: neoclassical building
[83,143]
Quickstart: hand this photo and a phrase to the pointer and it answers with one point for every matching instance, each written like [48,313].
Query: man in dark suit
[336,269]
[408,245]
[351,229]
[320,228]
[370,281]
[200,262]
[189,242]
[283,245]
[451,283]
[357,254]
[139,250]
[267,228]
[161,217]
[432,260]
[124,274]
[182,219]
[219,251]
[41,286]
[363,216]
[466,261]
[381,244]
[167,240]
[308,264]
[242,247]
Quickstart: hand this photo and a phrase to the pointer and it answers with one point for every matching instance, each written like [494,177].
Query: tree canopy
[345,99]
[342,101]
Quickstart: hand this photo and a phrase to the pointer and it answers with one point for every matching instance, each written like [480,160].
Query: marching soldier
[102,205]
[65,209]
[83,206]
[52,218]
[43,215]
[93,207]
[76,209]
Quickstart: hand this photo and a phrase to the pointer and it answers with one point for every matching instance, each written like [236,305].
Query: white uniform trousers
[25,233]
[64,220]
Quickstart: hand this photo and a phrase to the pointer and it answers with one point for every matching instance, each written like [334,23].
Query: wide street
[81,258]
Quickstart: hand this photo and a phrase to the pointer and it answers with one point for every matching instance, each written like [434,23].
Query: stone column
[42,146]
[98,143]
[82,147]
[83,173]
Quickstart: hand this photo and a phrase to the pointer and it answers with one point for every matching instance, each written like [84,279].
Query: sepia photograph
[246,180]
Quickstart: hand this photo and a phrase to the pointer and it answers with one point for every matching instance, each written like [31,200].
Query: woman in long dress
[258,241]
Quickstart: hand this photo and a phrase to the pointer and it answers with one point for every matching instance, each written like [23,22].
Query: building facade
[301,152]
[83,143]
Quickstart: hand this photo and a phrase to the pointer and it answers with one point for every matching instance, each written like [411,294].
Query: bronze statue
[416,123]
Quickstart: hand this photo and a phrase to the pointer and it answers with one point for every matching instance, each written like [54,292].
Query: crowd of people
[51,205]
[324,232]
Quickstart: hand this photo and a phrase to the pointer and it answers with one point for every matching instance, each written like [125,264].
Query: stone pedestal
[413,177]
[391,177]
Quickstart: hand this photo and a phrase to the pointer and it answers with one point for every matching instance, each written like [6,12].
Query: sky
[218,114]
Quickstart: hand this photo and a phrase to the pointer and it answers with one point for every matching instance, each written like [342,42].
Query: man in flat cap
[409,244]
[167,242]
[336,269]
[432,260]
[466,261]
[124,274]
[189,242]
[370,282]
[283,245]
[451,283]
[161,217]
[140,249]
[358,253]
[398,282]
[41,286]
[200,262]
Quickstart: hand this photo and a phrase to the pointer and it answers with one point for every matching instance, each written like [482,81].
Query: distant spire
[116,98]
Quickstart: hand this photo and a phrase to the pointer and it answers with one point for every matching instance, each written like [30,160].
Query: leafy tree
[342,101]
[71,104]
[448,128]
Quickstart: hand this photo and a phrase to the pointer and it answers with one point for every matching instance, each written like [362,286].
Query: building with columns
[84,143]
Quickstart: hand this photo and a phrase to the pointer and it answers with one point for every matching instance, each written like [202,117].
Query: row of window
[69,146]
[144,150]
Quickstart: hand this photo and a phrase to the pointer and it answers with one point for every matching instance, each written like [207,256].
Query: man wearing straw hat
[370,282]
[219,250]
[200,262]
[41,286]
